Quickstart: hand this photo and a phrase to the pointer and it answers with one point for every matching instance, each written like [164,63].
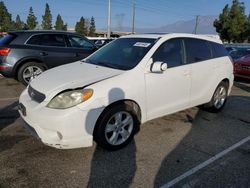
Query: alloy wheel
[220,97]
[119,128]
[31,72]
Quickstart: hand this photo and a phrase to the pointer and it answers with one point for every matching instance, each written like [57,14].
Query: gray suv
[26,54]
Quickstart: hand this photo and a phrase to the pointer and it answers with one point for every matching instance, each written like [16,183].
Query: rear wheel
[116,127]
[29,71]
[219,98]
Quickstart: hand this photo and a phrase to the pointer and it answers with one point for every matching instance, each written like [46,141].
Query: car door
[204,74]
[52,49]
[80,47]
[169,91]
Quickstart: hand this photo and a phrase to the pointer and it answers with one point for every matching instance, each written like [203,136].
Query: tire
[116,127]
[29,71]
[219,98]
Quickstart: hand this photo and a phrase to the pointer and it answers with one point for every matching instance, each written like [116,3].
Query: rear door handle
[43,53]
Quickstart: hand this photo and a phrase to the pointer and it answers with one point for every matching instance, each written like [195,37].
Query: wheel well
[27,61]
[226,80]
[132,103]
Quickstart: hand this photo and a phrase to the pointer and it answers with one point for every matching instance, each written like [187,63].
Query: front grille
[36,95]
[245,67]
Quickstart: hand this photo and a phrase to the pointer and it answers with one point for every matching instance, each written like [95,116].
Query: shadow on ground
[208,136]
[8,115]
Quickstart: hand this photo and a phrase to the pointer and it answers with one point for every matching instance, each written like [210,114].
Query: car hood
[70,76]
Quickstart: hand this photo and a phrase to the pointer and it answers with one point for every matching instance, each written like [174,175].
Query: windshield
[123,53]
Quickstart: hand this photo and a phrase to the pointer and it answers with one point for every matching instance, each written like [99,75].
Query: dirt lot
[164,149]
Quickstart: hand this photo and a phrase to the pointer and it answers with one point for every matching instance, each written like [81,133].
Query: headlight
[70,98]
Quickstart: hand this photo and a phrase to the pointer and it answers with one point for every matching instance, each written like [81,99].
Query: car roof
[24,35]
[40,31]
[212,38]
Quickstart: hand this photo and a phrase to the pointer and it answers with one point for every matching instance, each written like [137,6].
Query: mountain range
[205,26]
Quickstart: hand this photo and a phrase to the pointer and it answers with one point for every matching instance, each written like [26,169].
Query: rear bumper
[6,70]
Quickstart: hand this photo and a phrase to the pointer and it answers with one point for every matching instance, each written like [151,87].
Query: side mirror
[158,67]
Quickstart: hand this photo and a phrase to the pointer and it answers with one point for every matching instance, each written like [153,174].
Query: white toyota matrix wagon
[134,79]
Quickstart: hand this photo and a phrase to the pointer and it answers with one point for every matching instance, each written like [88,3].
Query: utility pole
[196,24]
[133,24]
[109,19]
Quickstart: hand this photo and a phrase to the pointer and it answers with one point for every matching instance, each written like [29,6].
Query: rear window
[218,50]
[7,39]
[197,50]
[56,40]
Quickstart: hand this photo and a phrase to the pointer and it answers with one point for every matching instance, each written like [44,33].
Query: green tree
[19,24]
[87,25]
[47,18]
[5,18]
[80,27]
[248,29]
[31,21]
[59,25]
[222,24]
[238,21]
[232,23]
[92,27]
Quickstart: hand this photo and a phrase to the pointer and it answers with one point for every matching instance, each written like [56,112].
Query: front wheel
[28,71]
[219,98]
[116,127]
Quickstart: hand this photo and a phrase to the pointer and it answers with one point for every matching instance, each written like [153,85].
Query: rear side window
[56,40]
[170,52]
[197,50]
[218,50]
[79,42]
[7,39]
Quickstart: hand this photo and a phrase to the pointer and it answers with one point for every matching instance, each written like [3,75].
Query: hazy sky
[148,13]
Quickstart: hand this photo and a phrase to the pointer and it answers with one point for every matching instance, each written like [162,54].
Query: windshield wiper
[105,64]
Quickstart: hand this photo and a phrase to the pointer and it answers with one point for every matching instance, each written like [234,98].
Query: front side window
[79,42]
[123,53]
[170,52]
[56,40]
[197,50]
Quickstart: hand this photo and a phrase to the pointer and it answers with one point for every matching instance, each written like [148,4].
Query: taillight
[4,51]
[3,67]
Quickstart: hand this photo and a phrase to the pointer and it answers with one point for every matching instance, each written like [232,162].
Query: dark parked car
[2,34]
[102,42]
[26,54]
[238,52]
[242,67]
